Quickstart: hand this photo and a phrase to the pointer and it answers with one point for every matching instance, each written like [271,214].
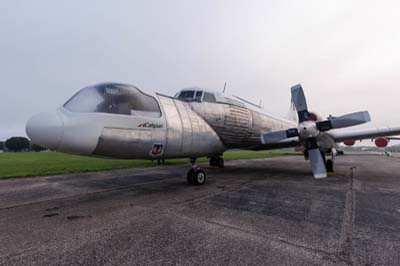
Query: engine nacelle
[381,142]
[349,142]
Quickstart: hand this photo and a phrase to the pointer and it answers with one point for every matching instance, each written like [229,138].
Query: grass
[22,164]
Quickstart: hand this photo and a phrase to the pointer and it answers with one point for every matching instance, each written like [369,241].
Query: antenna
[224,88]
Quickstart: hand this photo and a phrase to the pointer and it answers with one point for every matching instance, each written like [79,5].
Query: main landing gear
[217,161]
[329,163]
[329,166]
[196,176]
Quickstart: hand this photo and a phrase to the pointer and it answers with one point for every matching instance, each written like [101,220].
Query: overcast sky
[346,54]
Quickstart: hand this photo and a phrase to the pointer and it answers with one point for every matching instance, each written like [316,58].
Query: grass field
[22,164]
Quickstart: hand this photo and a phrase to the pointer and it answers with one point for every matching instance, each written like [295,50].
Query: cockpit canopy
[113,98]
[196,95]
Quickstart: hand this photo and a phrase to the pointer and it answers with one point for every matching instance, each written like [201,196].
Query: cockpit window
[186,95]
[198,96]
[209,97]
[115,99]
[190,96]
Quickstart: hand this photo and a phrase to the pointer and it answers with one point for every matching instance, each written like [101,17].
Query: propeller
[308,130]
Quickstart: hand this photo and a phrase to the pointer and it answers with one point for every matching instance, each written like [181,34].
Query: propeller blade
[300,103]
[348,120]
[317,163]
[276,136]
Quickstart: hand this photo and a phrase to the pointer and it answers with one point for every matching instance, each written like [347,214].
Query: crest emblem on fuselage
[157,149]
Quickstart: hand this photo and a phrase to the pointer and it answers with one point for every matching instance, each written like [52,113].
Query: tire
[213,161]
[189,176]
[220,162]
[199,177]
[329,166]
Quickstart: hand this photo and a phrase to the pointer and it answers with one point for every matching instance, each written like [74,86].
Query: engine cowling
[349,142]
[381,142]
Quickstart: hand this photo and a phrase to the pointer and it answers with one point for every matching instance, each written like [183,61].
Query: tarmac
[253,212]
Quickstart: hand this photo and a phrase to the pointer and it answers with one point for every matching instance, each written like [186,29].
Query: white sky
[346,54]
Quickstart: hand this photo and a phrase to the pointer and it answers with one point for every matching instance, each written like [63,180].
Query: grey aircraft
[120,121]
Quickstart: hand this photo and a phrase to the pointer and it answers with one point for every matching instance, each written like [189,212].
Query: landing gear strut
[196,176]
[217,161]
[329,163]
[329,166]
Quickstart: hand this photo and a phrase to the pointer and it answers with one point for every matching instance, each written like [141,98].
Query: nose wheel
[196,176]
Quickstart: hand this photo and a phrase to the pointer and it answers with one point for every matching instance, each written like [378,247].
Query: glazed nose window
[114,98]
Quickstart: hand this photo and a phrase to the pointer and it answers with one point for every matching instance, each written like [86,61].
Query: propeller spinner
[309,130]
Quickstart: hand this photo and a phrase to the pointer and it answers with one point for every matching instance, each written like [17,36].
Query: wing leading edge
[339,137]
[365,134]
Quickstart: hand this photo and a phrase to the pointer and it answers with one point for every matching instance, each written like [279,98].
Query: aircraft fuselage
[180,129]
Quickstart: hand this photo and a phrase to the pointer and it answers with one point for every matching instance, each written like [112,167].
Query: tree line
[18,144]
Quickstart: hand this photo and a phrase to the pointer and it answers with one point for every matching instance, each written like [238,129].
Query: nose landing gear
[196,176]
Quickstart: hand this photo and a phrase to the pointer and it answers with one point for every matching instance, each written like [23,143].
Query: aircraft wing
[365,134]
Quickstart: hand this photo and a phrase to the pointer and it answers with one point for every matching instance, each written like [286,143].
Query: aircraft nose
[46,130]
